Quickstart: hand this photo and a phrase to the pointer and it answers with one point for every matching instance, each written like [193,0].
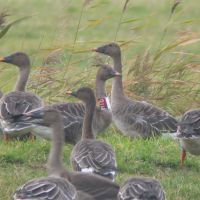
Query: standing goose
[141,188]
[89,154]
[188,133]
[97,187]
[73,113]
[19,101]
[134,118]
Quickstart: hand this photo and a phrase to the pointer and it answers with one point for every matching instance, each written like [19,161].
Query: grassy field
[161,66]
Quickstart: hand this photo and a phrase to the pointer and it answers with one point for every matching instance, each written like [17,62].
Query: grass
[161,66]
[158,158]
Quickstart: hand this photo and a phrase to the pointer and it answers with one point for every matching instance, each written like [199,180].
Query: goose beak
[2,59]
[71,93]
[38,113]
[94,49]
[100,49]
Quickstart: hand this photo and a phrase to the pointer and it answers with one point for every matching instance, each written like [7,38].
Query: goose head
[19,59]
[111,49]
[106,72]
[85,94]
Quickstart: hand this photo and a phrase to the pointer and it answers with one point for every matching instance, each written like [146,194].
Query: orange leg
[183,157]
[6,137]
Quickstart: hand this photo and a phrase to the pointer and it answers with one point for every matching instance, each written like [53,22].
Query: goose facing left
[19,101]
[93,186]
[89,154]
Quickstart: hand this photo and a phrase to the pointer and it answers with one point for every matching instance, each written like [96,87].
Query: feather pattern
[95,156]
[142,119]
[141,188]
[48,188]
[188,132]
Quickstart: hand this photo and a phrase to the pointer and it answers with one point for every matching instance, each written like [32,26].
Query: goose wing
[73,114]
[15,103]
[94,156]
[141,188]
[189,125]
[147,118]
[48,188]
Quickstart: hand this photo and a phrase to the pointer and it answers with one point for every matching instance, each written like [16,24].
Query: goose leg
[183,157]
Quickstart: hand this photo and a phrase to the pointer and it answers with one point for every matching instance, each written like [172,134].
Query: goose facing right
[134,118]
[94,186]
[89,154]
[141,189]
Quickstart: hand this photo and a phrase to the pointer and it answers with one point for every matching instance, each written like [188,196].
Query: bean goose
[89,154]
[53,188]
[141,188]
[14,103]
[73,113]
[95,186]
[134,118]
[188,133]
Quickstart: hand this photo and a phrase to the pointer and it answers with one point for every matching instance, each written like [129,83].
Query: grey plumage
[73,113]
[134,118]
[141,189]
[46,188]
[89,154]
[93,187]
[18,102]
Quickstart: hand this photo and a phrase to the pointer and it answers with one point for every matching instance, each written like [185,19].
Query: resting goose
[134,118]
[54,188]
[73,113]
[141,189]
[93,186]
[91,155]
[188,133]
[14,103]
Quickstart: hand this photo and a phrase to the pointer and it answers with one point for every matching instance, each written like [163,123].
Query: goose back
[91,155]
[47,188]
[134,118]
[141,188]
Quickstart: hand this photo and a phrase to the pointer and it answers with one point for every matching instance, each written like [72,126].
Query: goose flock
[94,163]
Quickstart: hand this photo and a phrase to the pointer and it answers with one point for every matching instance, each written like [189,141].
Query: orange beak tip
[2,59]
[94,50]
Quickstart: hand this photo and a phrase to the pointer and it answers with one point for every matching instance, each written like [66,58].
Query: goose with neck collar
[91,155]
[19,101]
[134,118]
[73,113]
[88,186]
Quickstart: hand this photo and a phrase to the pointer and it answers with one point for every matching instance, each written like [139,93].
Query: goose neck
[117,86]
[55,163]
[100,88]
[22,79]
[87,132]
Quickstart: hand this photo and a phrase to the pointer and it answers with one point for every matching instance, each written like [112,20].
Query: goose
[54,188]
[188,133]
[141,188]
[19,101]
[73,113]
[91,155]
[95,186]
[134,118]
